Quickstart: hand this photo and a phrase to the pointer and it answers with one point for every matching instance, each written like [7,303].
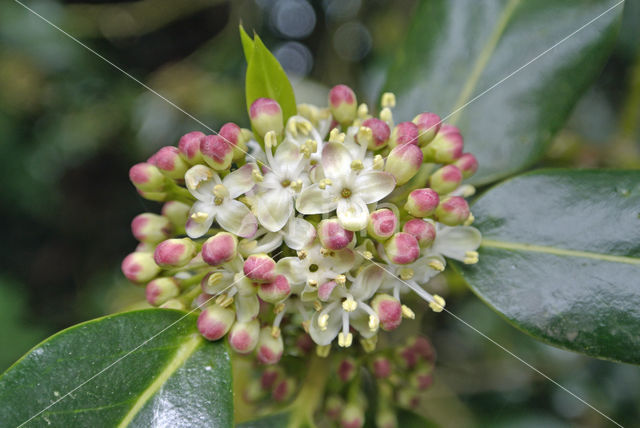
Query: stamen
[291,127]
[317,305]
[437,305]
[367,255]
[406,273]
[363,111]
[340,280]
[302,254]
[324,183]
[335,136]
[374,322]
[378,162]
[471,257]
[388,100]
[312,283]
[219,191]
[369,345]
[270,140]
[469,221]
[386,115]
[365,136]
[257,175]
[345,340]
[296,186]
[436,264]
[279,308]
[275,332]
[199,217]
[323,351]
[357,165]
[323,321]
[407,312]
[349,305]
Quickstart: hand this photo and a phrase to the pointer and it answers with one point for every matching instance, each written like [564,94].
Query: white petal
[287,153]
[240,181]
[338,261]
[313,200]
[266,244]
[235,217]
[293,268]
[353,213]
[422,272]
[454,242]
[221,285]
[367,282]
[334,323]
[360,321]
[200,182]
[336,160]
[274,208]
[247,307]
[196,229]
[298,233]
[372,186]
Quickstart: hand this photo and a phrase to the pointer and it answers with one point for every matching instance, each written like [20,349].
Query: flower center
[313,268]
[346,193]
[218,200]
[285,183]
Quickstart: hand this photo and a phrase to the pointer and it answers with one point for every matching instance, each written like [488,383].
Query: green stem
[311,394]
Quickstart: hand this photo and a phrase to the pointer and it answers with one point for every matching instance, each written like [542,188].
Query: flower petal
[240,181]
[200,182]
[422,272]
[313,200]
[326,336]
[367,282]
[336,160]
[247,307]
[273,209]
[294,269]
[223,280]
[298,233]
[454,242]
[234,216]
[372,186]
[266,244]
[360,321]
[200,219]
[353,213]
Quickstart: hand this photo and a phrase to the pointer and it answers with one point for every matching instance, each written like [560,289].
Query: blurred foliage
[71,125]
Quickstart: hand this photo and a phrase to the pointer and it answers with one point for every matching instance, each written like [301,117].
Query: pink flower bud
[140,267]
[220,248]
[154,196]
[243,336]
[428,126]
[407,357]
[422,202]
[170,162]
[150,228]
[216,152]
[276,290]
[381,367]
[333,406]
[389,311]
[305,344]
[379,132]
[147,177]
[189,146]
[452,211]
[215,321]
[402,248]
[343,104]
[422,378]
[283,390]
[347,369]
[174,252]
[266,115]
[352,416]
[238,138]
[408,398]
[259,268]
[271,375]
[176,212]
[446,179]
[468,164]
[423,231]
[423,349]
[446,147]
[382,224]
[404,133]
[386,418]
[162,289]
[269,350]
[333,236]
[404,162]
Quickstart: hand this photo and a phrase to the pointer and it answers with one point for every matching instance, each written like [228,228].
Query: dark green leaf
[458,49]
[177,379]
[247,44]
[408,419]
[266,78]
[560,258]
[275,420]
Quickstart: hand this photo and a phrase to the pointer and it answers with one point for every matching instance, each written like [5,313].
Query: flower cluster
[322,223]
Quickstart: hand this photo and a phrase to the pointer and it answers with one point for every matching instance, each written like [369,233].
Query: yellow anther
[327,252]
[388,100]
[312,283]
[438,303]
[323,351]
[369,345]
[367,255]
[296,186]
[246,200]
[324,183]
[386,115]
[305,326]
[436,265]
[323,321]
[340,280]
[335,136]
[224,300]
[365,136]
[406,273]
[302,254]
[279,308]
[349,305]
[378,162]
[471,257]
[275,332]
[317,305]
[374,322]
[257,175]
[345,340]
[270,140]
[469,221]
[308,111]
[304,127]
[291,127]
[467,190]
[363,111]
[214,278]
[199,217]
[219,191]
[407,312]
[356,165]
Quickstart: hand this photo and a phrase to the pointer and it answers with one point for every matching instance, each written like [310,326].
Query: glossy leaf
[458,49]
[560,258]
[265,77]
[275,420]
[247,44]
[177,379]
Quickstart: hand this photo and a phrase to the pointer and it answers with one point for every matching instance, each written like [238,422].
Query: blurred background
[72,125]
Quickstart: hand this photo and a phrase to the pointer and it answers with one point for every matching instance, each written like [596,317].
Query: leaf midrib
[490,243]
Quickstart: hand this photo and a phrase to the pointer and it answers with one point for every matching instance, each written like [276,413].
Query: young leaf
[560,258]
[176,379]
[266,78]
[247,44]
[458,49]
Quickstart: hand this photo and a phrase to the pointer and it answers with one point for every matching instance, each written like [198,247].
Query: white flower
[216,201]
[347,307]
[348,187]
[456,242]
[296,234]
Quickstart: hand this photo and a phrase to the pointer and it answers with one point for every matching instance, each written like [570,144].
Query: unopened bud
[386,418]
[266,115]
[404,133]
[352,416]
[422,202]
[220,248]
[468,164]
[389,311]
[147,177]
[423,348]
[237,137]
[269,350]
[160,290]
[215,321]
[176,212]
[216,152]
[260,268]
[428,126]
[150,228]
[383,223]
[408,398]
[423,231]
[446,179]
[276,290]
[270,376]
[283,390]
[452,211]
[154,196]
[174,252]
[189,146]
[333,236]
[243,336]
[402,248]
[140,267]
[381,367]
[343,104]
[379,133]
[333,406]
[347,369]
[446,147]
[170,162]
[421,378]
[404,162]
[253,392]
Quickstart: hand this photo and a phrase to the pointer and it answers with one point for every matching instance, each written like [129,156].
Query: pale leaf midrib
[490,243]
[181,355]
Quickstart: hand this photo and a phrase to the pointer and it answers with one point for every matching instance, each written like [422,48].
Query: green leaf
[176,379]
[266,78]
[275,420]
[560,258]
[409,419]
[247,44]
[458,49]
